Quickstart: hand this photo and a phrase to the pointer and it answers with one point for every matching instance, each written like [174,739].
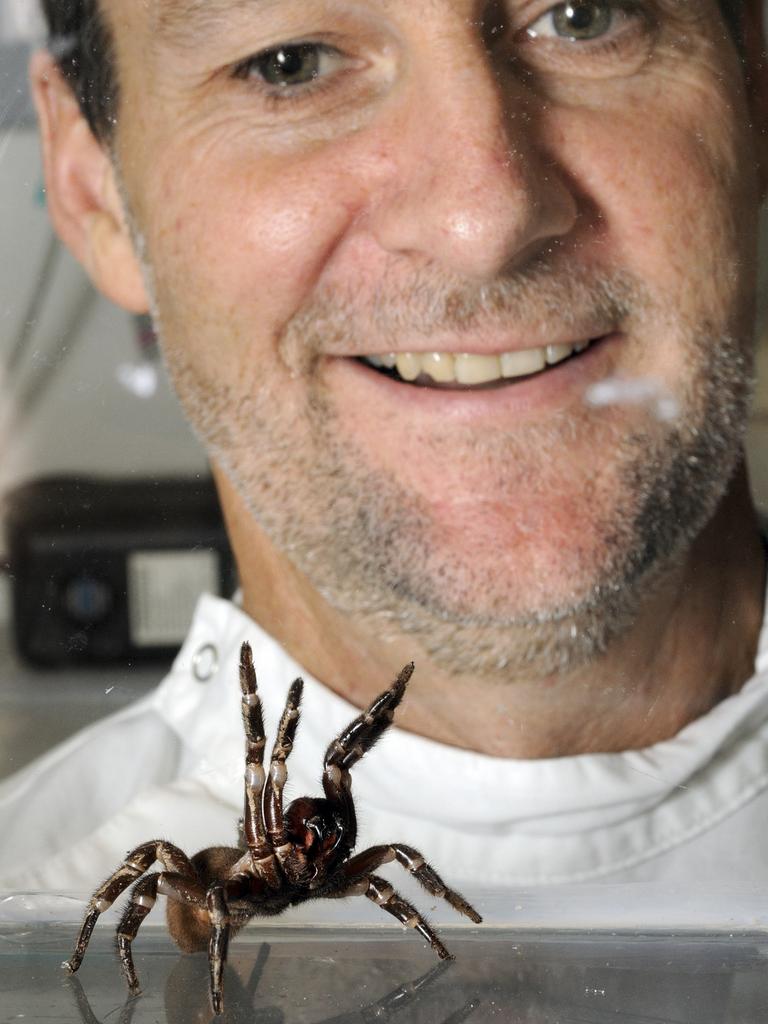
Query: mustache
[541,299]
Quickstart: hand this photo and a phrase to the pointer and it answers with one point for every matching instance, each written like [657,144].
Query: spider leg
[134,866]
[254,830]
[181,887]
[361,734]
[363,863]
[351,744]
[218,898]
[381,892]
[143,898]
[278,774]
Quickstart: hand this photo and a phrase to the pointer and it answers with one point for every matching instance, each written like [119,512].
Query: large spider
[287,856]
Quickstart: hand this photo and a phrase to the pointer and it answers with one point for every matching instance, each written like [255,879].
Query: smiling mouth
[462,371]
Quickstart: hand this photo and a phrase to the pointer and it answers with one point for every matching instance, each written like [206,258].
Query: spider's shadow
[86,1014]
[188,978]
[187,998]
[407,995]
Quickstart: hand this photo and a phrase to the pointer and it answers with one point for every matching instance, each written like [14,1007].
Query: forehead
[170,16]
[186,25]
[170,12]
[177,16]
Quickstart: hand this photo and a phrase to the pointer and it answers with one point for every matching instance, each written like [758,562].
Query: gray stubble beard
[674,485]
[365,544]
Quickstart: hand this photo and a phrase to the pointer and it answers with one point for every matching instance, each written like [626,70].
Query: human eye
[589,36]
[290,70]
[582,20]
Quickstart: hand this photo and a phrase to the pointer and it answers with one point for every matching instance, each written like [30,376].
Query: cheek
[669,199]
[670,204]
[242,245]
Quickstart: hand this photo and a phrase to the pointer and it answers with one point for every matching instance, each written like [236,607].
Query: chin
[511,622]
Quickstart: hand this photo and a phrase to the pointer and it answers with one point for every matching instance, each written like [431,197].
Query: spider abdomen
[190,927]
[190,922]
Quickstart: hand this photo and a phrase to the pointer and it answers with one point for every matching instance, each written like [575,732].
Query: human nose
[469,188]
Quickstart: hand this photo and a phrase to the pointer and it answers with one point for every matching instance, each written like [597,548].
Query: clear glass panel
[324,976]
[393,223]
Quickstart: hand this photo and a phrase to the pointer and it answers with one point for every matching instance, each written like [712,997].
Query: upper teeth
[447,368]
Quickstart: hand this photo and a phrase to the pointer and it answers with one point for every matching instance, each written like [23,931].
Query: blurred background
[109,525]
[110,528]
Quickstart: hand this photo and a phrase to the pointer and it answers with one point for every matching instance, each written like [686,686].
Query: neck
[692,644]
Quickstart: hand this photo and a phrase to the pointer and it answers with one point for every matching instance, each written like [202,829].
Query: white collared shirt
[171,766]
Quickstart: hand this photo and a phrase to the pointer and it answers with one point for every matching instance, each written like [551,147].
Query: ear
[756,79]
[83,198]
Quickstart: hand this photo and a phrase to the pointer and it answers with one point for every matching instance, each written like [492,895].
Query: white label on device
[163,589]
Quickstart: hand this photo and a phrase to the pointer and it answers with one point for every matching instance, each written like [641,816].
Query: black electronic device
[110,570]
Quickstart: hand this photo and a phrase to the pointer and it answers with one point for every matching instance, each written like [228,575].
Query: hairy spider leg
[262,858]
[278,775]
[350,745]
[218,899]
[134,866]
[381,892]
[184,888]
[363,863]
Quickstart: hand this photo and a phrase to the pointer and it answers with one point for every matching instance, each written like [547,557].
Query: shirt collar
[407,773]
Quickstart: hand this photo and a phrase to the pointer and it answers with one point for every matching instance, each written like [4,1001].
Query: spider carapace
[286,856]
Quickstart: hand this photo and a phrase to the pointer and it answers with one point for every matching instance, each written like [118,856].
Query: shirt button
[205,663]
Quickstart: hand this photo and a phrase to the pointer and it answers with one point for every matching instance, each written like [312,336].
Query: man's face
[316,183]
